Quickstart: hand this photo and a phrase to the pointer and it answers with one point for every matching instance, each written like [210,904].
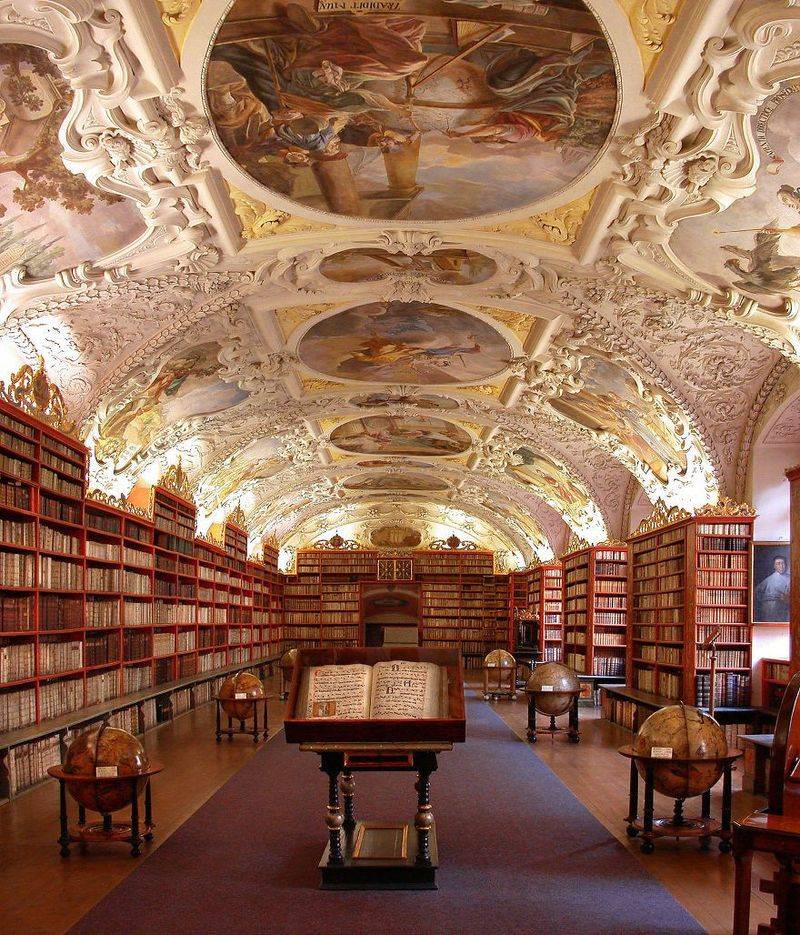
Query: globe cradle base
[688,733]
[110,747]
[564,683]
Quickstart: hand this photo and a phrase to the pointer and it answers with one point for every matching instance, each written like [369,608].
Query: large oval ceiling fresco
[405,342]
[401,435]
[441,111]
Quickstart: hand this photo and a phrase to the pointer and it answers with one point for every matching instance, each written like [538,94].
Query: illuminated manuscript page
[403,689]
[339,691]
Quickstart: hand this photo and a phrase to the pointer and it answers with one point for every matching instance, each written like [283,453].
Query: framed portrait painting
[771,582]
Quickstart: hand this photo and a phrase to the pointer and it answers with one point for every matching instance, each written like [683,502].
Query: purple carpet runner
[517,851]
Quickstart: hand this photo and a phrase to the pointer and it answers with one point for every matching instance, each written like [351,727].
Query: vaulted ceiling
[501,268]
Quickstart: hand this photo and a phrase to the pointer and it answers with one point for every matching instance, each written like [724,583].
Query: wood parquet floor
[41,894]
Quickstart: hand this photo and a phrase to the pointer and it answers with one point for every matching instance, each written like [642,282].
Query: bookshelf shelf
[774,679]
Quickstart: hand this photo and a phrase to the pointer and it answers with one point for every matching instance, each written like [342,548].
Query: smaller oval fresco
[400,435]
[395,482]
[448,267]
[395,537]
[422,401]
[416,343]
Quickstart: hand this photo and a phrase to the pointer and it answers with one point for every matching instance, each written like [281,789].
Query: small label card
[545,688]
[661,753]
[106,772]
[240,696]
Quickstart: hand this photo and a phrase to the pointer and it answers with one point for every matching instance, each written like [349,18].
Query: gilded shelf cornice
[336,543]
[34,393]
[210,539]
[118,503]
[176,480]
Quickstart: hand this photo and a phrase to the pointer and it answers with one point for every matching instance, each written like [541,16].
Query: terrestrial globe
[238,693]
[688,733]
[287,662]
[499,659]
[564,683]
[109,747]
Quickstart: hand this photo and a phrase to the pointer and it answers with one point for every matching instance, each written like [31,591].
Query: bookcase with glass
[595,604]
[689,581]
[546,600]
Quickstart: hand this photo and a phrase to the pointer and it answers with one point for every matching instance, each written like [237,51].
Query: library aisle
[261,808]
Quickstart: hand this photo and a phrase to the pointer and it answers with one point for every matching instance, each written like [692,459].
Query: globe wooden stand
[107,831]
[253,731]
[571,730]
[505,685]
[703,827]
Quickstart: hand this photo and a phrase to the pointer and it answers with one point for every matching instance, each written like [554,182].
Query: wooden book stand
[776,830]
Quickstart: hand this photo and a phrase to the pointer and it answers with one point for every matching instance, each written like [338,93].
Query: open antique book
[390,690]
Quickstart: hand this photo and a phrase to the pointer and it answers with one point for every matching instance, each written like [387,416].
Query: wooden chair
[775,830]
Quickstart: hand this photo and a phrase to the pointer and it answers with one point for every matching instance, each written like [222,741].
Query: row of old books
[16,612]
[16,569]
[55,657]
[17,661]
[731,689]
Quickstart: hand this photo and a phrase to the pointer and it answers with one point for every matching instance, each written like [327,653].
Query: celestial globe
[238,693]
[558,697]
[686,732]
[110,751]
[499,659]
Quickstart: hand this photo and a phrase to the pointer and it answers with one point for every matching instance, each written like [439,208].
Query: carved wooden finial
[33,392]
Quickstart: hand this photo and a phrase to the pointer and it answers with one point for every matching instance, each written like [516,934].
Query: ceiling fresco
[50,218]
[449,267]
[430,114]
[404,342]
[400,435]
[509,270]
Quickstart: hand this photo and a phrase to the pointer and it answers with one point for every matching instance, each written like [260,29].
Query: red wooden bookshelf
[595,603]
[688,578]
[546,599]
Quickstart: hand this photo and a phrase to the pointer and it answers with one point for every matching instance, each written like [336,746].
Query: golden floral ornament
[33,392]
[271,542]
[237,518]
[560,225]
[336,543]
[661,516]
[575,544]
[453,544]
[118,503]
[726,506]
[176,480]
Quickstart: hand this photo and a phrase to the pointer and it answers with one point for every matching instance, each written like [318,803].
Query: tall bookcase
[689,578]
[546,599]
[464,605]
[595,604]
